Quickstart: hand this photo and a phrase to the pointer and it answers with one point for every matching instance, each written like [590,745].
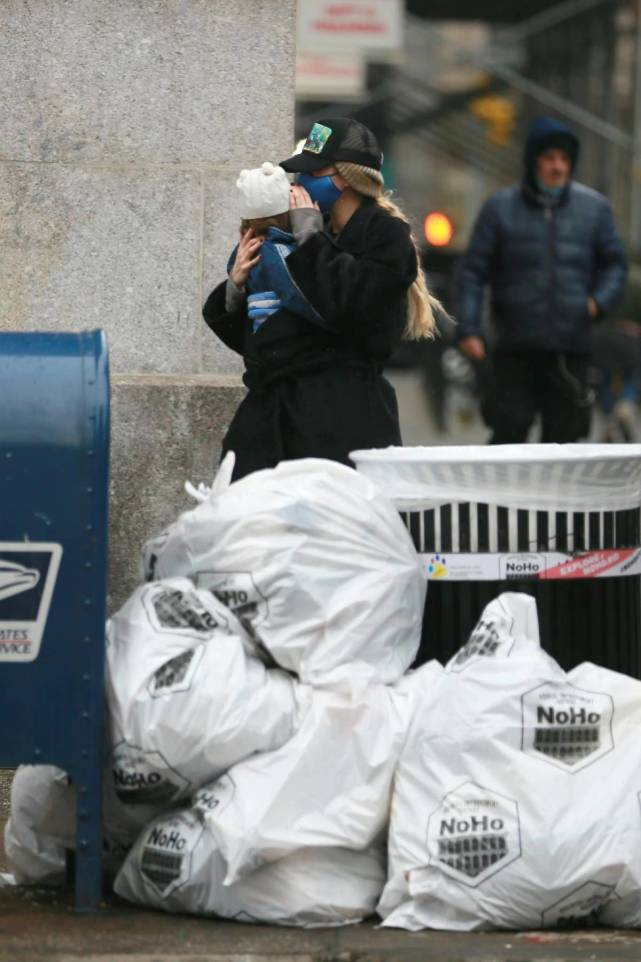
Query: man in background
[553,260]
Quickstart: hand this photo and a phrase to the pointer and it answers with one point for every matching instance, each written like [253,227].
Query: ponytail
[421,305]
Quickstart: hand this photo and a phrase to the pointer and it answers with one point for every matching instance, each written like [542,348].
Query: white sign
[321,76]
[531,566]
[28,572]
[366,25]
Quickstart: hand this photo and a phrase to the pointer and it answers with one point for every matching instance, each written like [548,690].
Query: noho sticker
[238,591]
[566,726]
[215,797]
[582,905]
[177,674]
[521,566]
[144,778]
[173,610]
[165,856]
[473,834]
[490,638]
[28,575]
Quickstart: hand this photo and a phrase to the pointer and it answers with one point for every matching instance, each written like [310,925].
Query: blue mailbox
[54,463]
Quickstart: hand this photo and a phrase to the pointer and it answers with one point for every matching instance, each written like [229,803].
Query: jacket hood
[546,132]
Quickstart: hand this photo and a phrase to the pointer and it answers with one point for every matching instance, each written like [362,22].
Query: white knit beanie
[264,191]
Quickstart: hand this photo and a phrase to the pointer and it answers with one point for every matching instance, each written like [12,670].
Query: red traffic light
[438,228]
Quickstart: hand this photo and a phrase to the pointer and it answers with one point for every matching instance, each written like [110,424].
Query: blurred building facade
[122,136]
[451,96]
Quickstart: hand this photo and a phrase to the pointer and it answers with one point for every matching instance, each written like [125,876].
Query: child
[316,387]
[264,207]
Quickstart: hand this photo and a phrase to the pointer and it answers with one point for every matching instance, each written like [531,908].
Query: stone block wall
[123,126]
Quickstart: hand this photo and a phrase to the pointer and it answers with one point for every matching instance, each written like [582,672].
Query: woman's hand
[473,348]
[247,256]
[299,198]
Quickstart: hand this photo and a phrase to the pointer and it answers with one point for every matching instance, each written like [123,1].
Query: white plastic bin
[562,522]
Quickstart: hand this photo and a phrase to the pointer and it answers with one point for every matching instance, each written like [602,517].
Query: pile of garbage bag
[256,705]
[272,758]
[517,794]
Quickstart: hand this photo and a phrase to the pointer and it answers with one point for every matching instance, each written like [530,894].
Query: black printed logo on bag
[165,860]
[488,639]
[144,778]
[566,726]
[579,906]
[182,609]
[473,834]
[177,674]
[215,797]
[238,591]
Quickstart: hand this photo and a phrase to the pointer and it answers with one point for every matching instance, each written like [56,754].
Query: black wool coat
[316,390]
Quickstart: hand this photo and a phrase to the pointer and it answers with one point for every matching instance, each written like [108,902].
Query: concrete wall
[123,125]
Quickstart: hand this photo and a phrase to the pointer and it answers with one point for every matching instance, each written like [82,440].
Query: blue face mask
[322,190]
[554,192]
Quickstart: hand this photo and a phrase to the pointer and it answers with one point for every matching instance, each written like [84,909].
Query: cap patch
[317,138]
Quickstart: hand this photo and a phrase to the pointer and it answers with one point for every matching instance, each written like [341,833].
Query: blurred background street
[450,89]
[463,423]
[418,424]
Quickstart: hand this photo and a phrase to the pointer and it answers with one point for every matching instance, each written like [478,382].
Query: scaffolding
[578,60]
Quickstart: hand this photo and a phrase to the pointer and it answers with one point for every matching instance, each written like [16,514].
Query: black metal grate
[597,619]
[481,527]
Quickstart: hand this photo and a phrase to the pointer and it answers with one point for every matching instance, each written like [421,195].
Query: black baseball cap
[332,139]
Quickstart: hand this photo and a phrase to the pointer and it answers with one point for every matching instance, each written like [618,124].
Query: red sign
[589,565]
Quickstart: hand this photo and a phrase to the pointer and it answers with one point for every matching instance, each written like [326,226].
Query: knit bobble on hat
[264,191]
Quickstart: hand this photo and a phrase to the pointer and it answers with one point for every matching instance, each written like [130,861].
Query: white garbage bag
[329,786]
[41,826]
[154,547]
[316,563]
[186,699]
[508,627]
[175,866]
[620,804]
[516,799]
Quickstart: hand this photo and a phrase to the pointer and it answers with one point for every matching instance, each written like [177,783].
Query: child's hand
[247,256]
[298,197]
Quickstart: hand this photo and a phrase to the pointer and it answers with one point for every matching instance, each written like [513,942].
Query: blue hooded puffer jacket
[543,258]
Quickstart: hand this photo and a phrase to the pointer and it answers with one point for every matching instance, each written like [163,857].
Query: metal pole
[560,104]
[546,19]
[487,61]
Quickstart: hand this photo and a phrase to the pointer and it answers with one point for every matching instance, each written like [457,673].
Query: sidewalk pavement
[40,926]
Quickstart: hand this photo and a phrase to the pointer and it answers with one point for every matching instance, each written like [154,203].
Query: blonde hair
[421,305]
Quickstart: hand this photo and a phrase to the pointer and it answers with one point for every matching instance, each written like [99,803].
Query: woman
[316,389]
